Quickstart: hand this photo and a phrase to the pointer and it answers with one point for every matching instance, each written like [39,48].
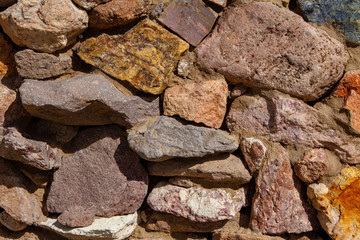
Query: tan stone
[11,223]
[7,62]
[203,102]
[145,56]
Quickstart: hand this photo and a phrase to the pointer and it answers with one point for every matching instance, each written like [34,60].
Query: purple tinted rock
[191,19]
[254,152]
[77,216]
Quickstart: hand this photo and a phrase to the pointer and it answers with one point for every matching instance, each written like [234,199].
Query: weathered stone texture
[77,216]
[116,13]
[89,4]
[7,63]
[46,26]
[144,56]
[99,172]
[254,152]
[312,166]
[221,3]
[6,3]
[279,205]
[162,138]
[85,100]
[10,223]
[30,64]
[262,45]
[203,102]
[197,204]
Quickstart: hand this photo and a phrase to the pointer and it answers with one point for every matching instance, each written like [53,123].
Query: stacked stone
[181,119]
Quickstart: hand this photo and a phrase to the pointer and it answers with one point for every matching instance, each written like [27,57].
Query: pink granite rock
[254,152]
[203,102]
[262,45]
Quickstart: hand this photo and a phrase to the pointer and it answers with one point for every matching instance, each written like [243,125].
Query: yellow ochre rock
[144,56]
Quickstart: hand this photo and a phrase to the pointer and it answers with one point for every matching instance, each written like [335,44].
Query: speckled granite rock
[254,152]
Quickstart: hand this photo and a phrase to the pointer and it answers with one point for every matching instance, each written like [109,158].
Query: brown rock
[279,205]
[89,4]
[38,177]
[77,216]
[30,233]
[6,3]
[239,235]
[45,26]
[220,168]
[10,175]
[181,182]
[199,102]
[261,45]
[237,91]
[38,154]
[101,172]
[7,63]
[313,166]
[221,3]
[191,19]
[11,223]
[254,152]
[117,13]
[7,103]
[30,64]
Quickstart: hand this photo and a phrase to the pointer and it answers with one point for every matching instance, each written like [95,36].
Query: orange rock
[7,62]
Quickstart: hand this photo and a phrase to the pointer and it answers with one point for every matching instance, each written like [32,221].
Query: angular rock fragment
[118,227]
[203,102]
[197,204]
[339,212]
[30,64]
[38,154]
[99,172]
[144,56]
[191,19]
[313,166]
[46,26]
[279,205]
[291,121]
[10,223]
[85,100]
[162,138]
[220,168]
[117,13]
[261,45]
[7,64]
[254,152]
[89,4]
[77,216]
[343,14]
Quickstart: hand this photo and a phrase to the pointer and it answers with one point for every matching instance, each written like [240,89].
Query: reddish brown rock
[9,175]
[312,166]
[11,223]
[117,13]
[8,98]
[261,45]
[100,172]
[221,3]
[203,102]
[89,4]
[254,152]
[279,204]
[7,63]
[77,216]
[191,19]
[237,91]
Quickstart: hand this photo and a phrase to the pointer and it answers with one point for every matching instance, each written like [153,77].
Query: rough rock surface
[262,45]
[342,13]
[118,227]
[7,63]
[203,102]
[290,121]
[89,4]
[197,204]
[125,57]
[339,212]
[10,223]
[254,152]
[77,216]
[87,99]
[191,19]
[313,166]
[6,3]
[100,172]
[38,154]
[30,64]
[8,98]
[10,177]
[239,235]
[116,13]
[279,205]
[162,138]
[221,3]
[46,26]
[220,168]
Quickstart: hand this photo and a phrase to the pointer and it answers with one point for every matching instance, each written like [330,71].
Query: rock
[38,154]
[277,191]
[342,14]
[30,64]
[196,204]
[8,98]
[349,89]
[313,166]
[118,227]
[10,177]
[338,209]
[291,121]
[11,223]
[254,152]
[7,62]
[203,102]
[125,57]
[242,236]
[115,185]
[162,138]
[117,13]
[221,3]
[305,236]
[261,45]
[184,68]
[181,182]
[38,177]
[32,233]
[237,91]
[6,3]
[89,4]
[44,26]
[77,216]
[85,100]
[191,19]
[220,168]
[20,204]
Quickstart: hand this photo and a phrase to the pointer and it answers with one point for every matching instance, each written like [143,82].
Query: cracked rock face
[261,45]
